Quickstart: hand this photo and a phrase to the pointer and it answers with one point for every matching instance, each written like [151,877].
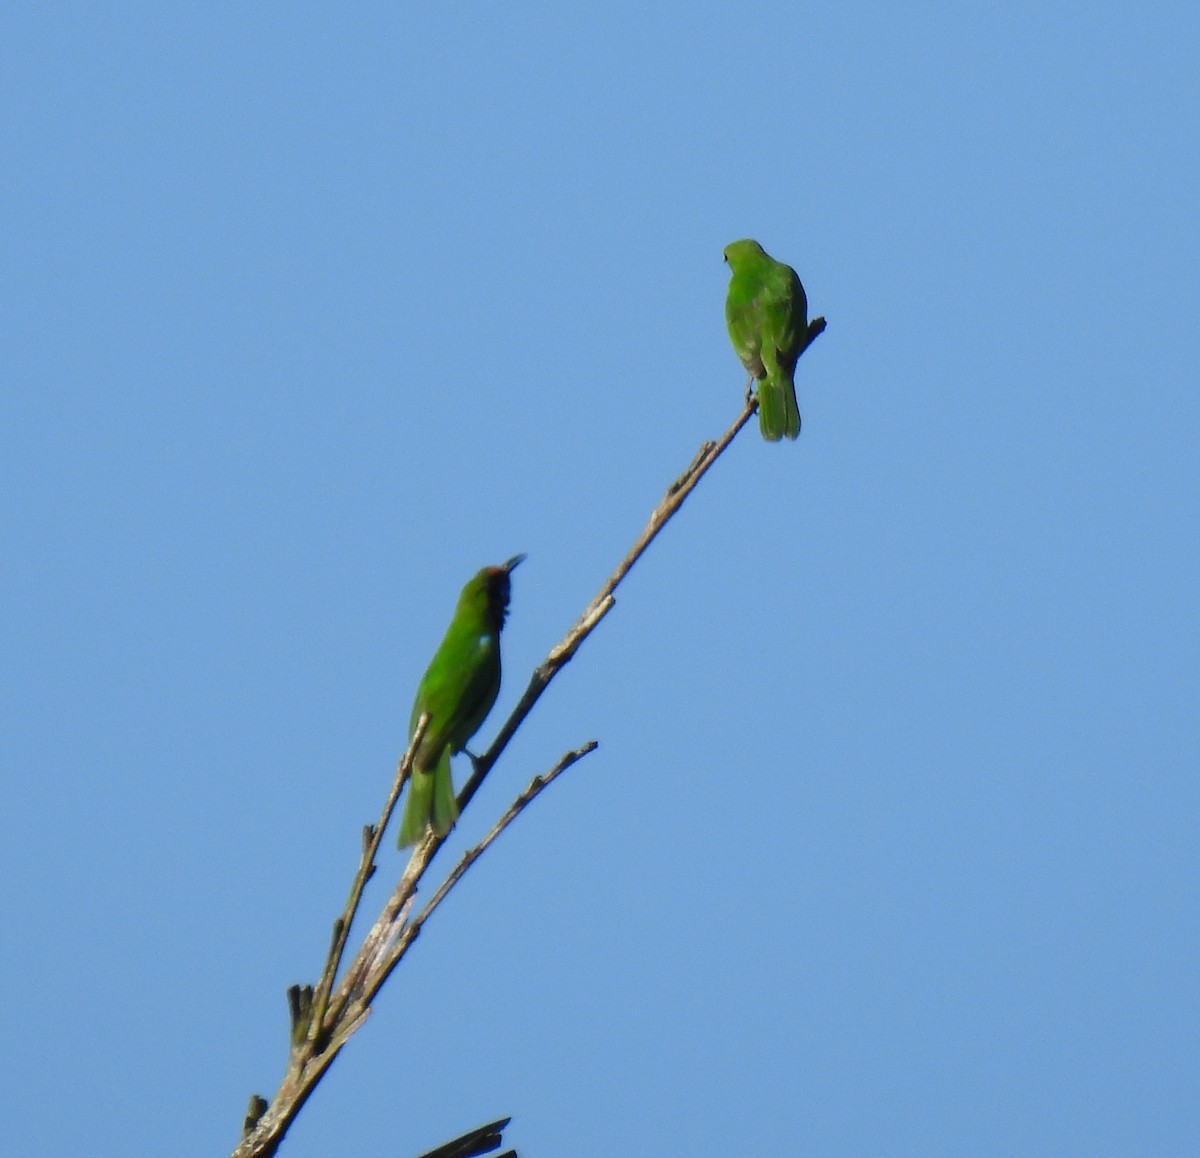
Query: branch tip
[256,1109]
[300,1001]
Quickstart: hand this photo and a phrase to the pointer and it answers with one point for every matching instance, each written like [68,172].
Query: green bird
[767,314]
[457,691]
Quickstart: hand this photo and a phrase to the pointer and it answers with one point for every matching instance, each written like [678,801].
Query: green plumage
[767,314]
[457,691]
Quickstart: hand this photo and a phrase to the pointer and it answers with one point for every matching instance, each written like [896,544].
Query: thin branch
[533,789]
[372,836]
[604,600]
[313,1046]
[380,972]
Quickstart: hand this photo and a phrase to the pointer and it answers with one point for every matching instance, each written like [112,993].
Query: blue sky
[890,845]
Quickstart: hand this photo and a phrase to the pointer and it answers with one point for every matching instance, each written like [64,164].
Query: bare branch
[312,1044]
[604,600]
[380,972]
[372,836]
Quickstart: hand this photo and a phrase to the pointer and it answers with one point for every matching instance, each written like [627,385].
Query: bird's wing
[461,694]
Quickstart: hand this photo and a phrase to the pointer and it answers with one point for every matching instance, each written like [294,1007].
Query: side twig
[265,1124]
[379,970]
[372,836]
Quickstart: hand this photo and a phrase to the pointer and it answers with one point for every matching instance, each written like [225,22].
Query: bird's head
[495,587]
[744,250]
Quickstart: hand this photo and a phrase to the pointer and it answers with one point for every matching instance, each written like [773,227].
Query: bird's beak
[507,567]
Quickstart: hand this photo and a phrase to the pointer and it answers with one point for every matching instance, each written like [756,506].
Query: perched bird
[457,691]
[767,315]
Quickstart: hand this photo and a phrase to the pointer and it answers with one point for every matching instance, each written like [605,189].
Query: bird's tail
[445,807]
[430,803]
[778,414]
